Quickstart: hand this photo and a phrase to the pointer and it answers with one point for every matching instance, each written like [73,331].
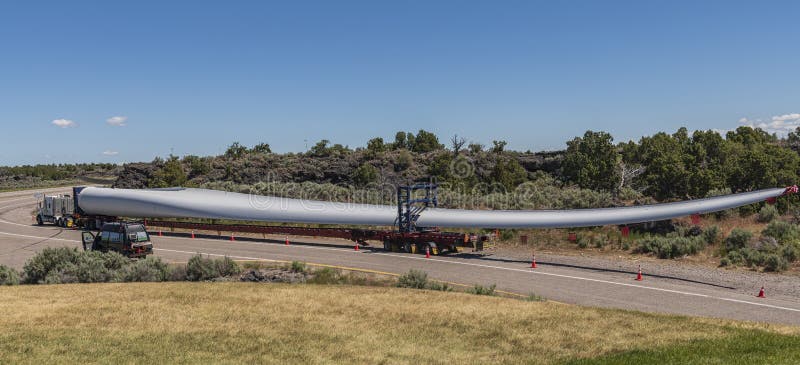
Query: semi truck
[63,211]
[56,209]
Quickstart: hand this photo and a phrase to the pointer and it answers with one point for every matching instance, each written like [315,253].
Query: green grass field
[277,323]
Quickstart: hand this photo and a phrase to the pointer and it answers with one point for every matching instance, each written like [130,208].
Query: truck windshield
[139,231]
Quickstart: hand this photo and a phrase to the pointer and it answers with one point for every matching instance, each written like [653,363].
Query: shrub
[8,276]
[672,247]
[734,257]
[782,231]
[177,273]
[199,268]
[752,257]
[482,290]
[535,298]
[50,259]
[738,239]
[326,276]
[227,267]
[724,261]
[149,269]
[68,265]
[711,235]
[435,285]
[775,263]
[599,241]
[790,253]
[767,214]
[298,266]
[415,279]
[583,241]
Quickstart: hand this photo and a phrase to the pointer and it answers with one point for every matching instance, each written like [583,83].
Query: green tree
[365,174]
[375,146]
[261,148]
[235,151]
[509,173]
[498,146]
[321,149]
[403,161]
[400,141]
[591,161]
[426,142]
[170,175]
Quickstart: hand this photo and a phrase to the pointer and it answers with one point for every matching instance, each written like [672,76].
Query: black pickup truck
[129,239]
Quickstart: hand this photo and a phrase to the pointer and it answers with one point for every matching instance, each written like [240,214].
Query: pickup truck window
[115,237]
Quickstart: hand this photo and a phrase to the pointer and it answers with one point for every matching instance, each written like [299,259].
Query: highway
[20,239]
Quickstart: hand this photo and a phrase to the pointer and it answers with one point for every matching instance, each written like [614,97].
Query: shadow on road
[481,257]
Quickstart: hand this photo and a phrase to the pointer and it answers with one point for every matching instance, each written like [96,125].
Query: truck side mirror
[88,240]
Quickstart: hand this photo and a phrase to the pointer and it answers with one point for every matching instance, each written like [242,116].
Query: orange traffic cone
[159,233]
[427,252]
[287,240]
[639,275]
[356,247]
[192,234]
[232,239]
[761,293]
[533,262]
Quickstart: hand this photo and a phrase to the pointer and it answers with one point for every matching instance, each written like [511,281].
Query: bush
[535,298]
[583,241]
[298,266]
[775,263]
[672,247]
[150,269]
[482,290]
[782,231]
[599,241]
[435,285]
[415,279]
[8,276]
[735,258]
[790,253]
[767,214]
[68,265]
[711,235]
[227,267]
[199,268]
[326,276]
[177,273]
[724,261]
[738,239]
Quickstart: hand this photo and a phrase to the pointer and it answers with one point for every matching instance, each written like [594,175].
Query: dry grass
[257,323]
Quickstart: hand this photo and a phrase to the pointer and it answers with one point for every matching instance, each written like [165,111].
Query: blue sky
[194,76]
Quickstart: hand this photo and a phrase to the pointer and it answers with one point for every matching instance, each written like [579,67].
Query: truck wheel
[387,246]
[39,220]
[407,247]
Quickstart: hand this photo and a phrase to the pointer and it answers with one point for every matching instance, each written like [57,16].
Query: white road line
[467,264]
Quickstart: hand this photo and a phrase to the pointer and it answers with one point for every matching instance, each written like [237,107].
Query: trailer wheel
[387,246]
[407,247]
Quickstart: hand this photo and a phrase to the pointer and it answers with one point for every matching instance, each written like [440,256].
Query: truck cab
[128,239]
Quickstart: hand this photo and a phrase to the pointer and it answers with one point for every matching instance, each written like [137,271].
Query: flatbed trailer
[406,238]
[434,241]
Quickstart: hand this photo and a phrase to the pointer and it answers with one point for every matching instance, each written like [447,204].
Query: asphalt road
[20,239]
